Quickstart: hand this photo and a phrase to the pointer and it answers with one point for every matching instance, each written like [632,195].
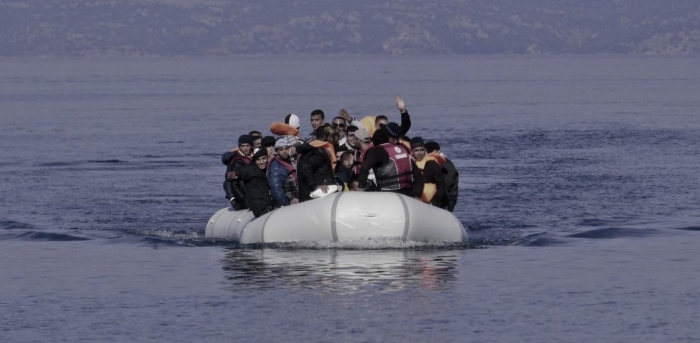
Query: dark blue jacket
[282,185]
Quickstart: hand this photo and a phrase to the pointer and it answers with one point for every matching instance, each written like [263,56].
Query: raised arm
[405,118]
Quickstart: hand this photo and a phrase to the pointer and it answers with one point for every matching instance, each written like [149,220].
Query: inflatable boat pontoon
[338,217]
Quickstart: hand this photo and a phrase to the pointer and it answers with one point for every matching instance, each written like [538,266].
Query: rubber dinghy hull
[338,217]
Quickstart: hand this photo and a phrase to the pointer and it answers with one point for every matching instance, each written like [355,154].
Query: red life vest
[239,157]
[290,168]
[398,172]
[359,157]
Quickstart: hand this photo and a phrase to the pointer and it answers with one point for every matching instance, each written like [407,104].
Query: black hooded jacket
[232,186]
[433,173]
[256,188]
[451,184]
[313,169]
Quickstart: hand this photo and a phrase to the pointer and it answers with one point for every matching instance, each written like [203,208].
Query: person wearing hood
[392,165]
[434,191]
[282,173]
[232,159]
[317,163]
[256,190]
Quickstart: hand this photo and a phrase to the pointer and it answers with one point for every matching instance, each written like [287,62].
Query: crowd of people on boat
[372,154]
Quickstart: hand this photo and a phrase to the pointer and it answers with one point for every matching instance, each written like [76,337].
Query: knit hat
[393,129]
[259,152]
[431,146]
[362,134]
[380,137]
[245,139]
[417,142]
[292,120]
[268,141]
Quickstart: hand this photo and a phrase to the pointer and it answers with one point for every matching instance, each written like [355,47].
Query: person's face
[257,141]
[317,121]
[419,153]
[348,162]
[270,149]
[340,124]
[379,122]
[245,149]
[261,162]
[353,141]
[283,152]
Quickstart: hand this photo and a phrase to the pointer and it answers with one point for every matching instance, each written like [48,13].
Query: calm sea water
[580,188]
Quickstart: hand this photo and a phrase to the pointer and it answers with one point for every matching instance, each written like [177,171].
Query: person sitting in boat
[256,189]
[434,191]
[344,169]
[392,165]
[268,142]
[233,159]
[318,119]
[451,175]
[317,163]
[359,140]
[257,138]
[282,173]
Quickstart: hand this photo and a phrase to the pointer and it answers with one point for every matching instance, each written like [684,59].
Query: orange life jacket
[430,189]
[329,149]
[407,145]
[282,129]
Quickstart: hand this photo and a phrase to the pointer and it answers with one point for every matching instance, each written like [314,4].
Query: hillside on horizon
[408,27]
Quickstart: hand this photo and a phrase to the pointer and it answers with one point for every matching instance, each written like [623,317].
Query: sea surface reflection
[341,271]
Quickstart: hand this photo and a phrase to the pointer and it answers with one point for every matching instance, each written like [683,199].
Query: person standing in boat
[434,191]
[232,159]
[451,175]
[282,173]
[379,120]
[256,189]
[317,164]
[392,165]
[318,119]
[342,146]
[405,118]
